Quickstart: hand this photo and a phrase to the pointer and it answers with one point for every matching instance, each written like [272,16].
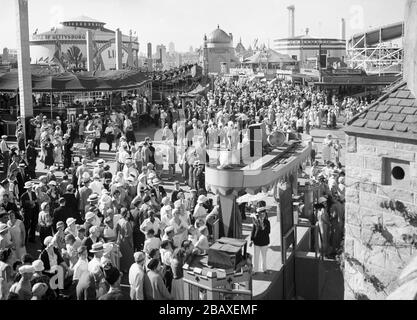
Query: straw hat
[97,247]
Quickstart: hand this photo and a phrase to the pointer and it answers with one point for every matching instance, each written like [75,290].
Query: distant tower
[5,55]
[149,50]
[291,21]
[171,48]
[343,29]
[205,57]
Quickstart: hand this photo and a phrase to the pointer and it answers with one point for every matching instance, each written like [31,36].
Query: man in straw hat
[97,250]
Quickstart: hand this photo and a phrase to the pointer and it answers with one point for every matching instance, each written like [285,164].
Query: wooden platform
[262,283]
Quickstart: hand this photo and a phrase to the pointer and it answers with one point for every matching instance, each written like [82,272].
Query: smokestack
[291,21]
[343,29]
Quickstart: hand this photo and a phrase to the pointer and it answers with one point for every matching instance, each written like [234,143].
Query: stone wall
[381,220]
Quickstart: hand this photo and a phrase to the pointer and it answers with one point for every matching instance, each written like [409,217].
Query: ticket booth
[223,274]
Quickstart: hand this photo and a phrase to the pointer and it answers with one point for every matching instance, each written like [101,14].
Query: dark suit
[67,154]
[21,178]
[174,195]
[162,193]
[72,204]
[30,212]
[61,214]
[31,154]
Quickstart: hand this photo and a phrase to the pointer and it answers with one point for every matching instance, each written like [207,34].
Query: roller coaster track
[372,51]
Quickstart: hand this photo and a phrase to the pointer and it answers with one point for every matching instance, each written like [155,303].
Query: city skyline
[185,23]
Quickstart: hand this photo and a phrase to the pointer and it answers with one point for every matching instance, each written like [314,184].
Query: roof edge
[382,134]
[380,99]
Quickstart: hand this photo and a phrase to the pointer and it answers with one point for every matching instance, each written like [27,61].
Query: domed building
[72,34]
[218,54]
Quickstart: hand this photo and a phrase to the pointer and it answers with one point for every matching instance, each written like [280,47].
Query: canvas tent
[268,56]
[82,82]
[199,90]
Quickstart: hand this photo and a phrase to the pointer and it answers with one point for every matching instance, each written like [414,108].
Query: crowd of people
[92,222]
[99,224]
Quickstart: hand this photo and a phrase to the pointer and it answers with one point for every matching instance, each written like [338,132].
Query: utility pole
[23,61]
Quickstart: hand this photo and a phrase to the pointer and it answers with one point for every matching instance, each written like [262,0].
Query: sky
[185,22]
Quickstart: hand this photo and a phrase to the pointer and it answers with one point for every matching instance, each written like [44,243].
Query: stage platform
[271,286]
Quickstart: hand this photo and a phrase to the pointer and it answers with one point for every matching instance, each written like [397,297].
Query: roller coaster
[374,50]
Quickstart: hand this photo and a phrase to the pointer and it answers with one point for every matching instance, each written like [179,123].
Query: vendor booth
[58,93]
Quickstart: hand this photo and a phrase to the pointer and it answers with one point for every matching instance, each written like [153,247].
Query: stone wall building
[381,193]
[381,184]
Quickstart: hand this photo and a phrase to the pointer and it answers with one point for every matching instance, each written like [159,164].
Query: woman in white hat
[71,227]
[45,222]
[39,276]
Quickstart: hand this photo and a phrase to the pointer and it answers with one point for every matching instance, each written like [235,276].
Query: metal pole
[52,101]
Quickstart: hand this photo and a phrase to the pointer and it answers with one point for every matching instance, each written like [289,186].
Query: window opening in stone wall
[395,172]
[398,173]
